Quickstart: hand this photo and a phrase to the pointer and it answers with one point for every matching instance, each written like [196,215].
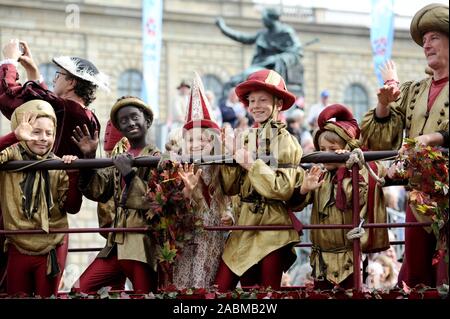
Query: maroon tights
[266,273]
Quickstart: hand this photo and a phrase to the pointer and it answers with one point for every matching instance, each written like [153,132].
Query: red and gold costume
[332,253]
[35,200]
[259,257]
[422,108]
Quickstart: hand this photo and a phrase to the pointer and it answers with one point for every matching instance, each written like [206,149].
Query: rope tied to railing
[357,157]
[356,232]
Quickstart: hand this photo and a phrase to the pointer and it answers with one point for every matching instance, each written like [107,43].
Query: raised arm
[12,93]
[234,34]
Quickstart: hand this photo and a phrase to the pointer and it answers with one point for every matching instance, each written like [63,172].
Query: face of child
[260,106]
[198,142]
[132,122]
[327,146]
[43,129]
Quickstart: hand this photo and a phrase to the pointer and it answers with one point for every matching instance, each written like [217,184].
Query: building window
[130,83]
[213,83]
[356,98]
[47,71]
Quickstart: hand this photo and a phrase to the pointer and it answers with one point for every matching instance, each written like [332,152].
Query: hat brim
[433,17]
[100,80]
[202,124]
[67,68]
[244,89]
[332,127]
[129,102]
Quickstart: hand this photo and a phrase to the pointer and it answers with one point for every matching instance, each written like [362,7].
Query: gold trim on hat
[273,78]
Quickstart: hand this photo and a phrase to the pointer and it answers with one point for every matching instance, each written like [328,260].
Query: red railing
[318,157]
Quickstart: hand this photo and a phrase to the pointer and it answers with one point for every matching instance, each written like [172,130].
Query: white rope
[357,157]
[356,232]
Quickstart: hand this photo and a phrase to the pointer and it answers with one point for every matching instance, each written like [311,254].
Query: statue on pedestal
[277,48]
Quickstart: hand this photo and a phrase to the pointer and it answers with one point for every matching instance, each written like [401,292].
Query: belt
[259,202]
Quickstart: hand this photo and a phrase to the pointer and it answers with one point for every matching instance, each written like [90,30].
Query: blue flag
[381,33]
[151,52]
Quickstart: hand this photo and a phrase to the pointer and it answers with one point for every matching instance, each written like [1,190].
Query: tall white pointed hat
[199,113]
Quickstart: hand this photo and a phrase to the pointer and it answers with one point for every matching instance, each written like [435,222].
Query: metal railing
[151,161]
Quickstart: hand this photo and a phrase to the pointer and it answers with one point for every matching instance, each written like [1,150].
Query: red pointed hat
[345,125]
[199,112]
[265,80]
[112,136]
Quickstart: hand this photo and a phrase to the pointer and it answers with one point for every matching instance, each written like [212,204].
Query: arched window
[355,97]
[130,83]
[213,83]
[48,70]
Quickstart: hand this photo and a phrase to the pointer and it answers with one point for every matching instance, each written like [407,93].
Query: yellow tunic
[14,218]
[106,183]
[408,113]
[332,255]
[244,249]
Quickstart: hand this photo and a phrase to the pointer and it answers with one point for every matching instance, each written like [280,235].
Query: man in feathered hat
[420,108]
[75,85]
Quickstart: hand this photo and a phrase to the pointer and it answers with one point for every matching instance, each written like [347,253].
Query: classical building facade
[108,32]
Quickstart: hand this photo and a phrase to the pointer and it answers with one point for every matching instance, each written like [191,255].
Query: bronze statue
[277,48]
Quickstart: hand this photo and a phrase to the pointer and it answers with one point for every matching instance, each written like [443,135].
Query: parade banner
[381,33]
[151,52]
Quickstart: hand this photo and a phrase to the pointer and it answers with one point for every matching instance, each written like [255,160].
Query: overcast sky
[401,7]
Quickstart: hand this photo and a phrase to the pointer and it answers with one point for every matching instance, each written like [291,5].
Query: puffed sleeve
[386,133]
[8,154]
[230,179]
[298,202]
[278,183]
[98,186]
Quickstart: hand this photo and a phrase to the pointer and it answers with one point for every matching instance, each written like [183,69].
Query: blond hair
[332,137]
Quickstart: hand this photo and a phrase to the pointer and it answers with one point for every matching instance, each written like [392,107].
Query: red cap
[265,80]
[345,125]
[112,136]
